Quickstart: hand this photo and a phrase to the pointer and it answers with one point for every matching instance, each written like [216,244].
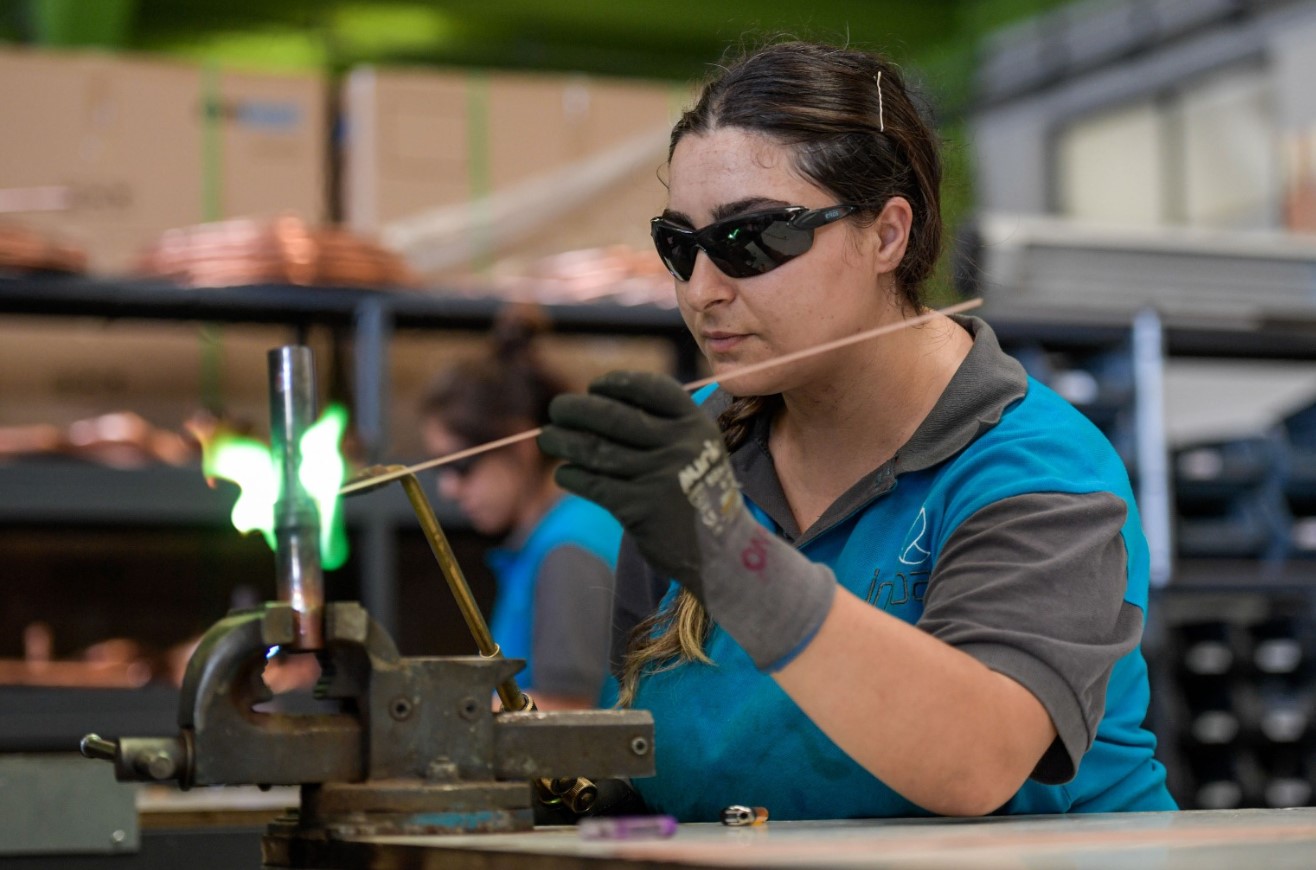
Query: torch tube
[296,519]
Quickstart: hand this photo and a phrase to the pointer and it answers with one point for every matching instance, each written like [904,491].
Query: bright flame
[248,463]
[322,472]
[251,465]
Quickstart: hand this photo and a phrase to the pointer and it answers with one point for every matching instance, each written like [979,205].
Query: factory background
[1131,189]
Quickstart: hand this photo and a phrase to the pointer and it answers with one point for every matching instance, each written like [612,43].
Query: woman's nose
[707,286]
[449,484]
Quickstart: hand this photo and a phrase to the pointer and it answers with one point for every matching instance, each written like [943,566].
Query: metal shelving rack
[371,316]
[1151,339]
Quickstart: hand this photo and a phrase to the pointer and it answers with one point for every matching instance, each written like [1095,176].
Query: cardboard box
[59,370]
[113,150]
[274,146]
[504,165]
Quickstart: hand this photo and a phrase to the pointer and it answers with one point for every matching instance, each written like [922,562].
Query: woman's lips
[722,342]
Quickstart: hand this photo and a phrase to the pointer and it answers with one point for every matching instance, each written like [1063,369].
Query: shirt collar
[986,383]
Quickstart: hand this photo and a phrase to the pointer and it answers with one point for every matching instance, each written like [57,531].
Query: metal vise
[417,750]
[413,746]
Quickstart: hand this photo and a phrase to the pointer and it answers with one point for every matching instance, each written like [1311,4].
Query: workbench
[1196,840]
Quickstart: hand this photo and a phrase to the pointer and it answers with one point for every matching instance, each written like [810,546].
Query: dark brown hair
[855,131]
[863,146]
[502,392]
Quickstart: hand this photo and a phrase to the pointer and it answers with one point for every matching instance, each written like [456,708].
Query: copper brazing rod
[360,482]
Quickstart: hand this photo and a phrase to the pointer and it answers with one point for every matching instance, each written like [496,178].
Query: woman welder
[900,577]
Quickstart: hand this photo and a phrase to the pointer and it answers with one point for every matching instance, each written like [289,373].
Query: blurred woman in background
[554,569]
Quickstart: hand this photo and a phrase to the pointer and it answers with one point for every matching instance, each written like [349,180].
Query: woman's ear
[892,230]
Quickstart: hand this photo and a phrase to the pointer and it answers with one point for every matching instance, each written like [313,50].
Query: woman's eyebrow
[740,206]
[675,217]
[726,210]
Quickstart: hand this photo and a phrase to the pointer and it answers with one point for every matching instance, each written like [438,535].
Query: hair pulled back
[503,391]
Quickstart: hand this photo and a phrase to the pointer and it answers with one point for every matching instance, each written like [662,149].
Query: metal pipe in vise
[296,518]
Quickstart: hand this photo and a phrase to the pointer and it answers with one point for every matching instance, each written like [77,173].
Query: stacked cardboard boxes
[108,152]
[471,172]
[462,169]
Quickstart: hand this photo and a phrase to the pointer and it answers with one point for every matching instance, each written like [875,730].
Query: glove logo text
[710,486]
[694,472]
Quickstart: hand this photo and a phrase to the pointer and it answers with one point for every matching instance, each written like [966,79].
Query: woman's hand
[639,446]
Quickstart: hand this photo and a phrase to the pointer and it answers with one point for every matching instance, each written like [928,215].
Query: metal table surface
[1194,840]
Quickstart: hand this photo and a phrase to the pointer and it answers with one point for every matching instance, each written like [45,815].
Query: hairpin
[877,79]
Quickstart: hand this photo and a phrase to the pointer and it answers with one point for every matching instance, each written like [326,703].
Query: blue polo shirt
[554,591]
[1006,527]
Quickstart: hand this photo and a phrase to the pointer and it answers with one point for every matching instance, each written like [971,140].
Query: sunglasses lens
[741,247]
[676,249]
[757,244]
[461,467]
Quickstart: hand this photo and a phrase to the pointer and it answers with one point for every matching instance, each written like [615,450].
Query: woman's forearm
[931,722]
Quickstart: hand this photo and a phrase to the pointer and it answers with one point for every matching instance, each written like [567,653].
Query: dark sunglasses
[745,245]
[461,467]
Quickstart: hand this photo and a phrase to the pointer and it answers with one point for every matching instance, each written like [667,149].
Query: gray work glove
[639,446]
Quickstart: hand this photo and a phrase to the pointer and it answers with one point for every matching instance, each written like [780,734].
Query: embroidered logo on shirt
[899,591]
[915,553]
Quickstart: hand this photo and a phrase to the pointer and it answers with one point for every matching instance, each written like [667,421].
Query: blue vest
[727,734]
[571,521]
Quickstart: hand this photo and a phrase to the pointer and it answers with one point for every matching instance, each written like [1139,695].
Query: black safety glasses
[745,245]
[462,467]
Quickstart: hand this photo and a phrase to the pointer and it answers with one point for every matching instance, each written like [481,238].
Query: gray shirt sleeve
[1033,587]
[569,638]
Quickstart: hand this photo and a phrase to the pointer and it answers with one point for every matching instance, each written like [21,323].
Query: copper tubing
[296,518]
[511,696]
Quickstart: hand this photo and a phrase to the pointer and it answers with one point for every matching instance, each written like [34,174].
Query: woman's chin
[486,526]
[754,384]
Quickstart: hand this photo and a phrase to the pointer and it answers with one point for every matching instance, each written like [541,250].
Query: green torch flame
[251,465]
[322,472]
